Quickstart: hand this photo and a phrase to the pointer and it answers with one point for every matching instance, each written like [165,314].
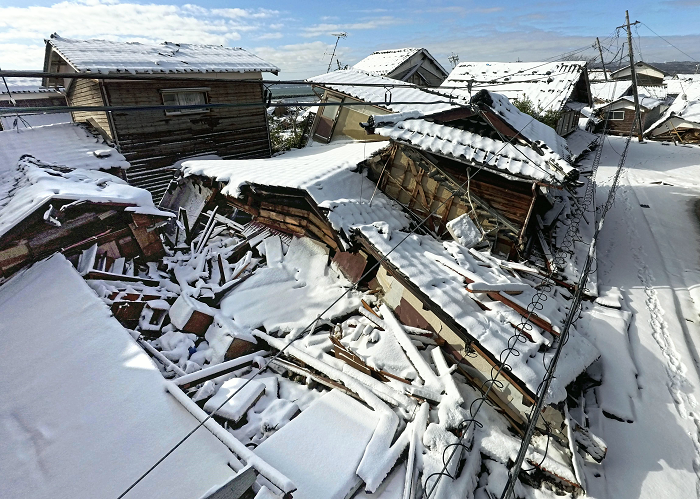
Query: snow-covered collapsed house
[556,87]
[412,65]
[56,195]
[28,92]
[464,300]
[681,121]
[153,140]
[351,96]
[501,165]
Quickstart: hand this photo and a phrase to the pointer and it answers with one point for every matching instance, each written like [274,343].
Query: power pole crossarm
[633,73]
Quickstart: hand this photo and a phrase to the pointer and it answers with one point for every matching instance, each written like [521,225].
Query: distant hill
[674,67]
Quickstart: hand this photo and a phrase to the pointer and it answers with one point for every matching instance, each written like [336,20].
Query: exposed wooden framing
[468,339]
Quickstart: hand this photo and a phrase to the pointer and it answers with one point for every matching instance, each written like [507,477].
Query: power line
[672,45]
[309,328]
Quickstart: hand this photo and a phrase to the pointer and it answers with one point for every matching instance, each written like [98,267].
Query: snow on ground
[649,248]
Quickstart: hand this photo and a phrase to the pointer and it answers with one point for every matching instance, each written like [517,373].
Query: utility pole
[337,36]
[633,73]
[605,72]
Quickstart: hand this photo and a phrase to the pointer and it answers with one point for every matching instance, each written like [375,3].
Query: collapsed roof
[683,114]
[541,154]
[548,85]
[67,144]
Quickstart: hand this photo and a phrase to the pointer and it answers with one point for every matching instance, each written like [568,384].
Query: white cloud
[115,20]
[327,28]
[276,35]
[300,60]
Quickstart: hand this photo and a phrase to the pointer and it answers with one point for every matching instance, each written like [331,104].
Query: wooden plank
[533,317]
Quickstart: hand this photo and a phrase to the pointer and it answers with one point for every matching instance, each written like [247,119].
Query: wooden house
[501,165]
[561,88]
[646,74]
[412,65]
[621,114]
[351,96]
[681,121]
[153,140]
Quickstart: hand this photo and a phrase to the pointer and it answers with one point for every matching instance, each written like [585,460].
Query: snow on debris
[383,62]
[384,98]
[321,449]
[303,276]
[104,56]
[66,144]
[438,270]
[325,172]
[33,183]
[548,85]
[95,415]
[685,108]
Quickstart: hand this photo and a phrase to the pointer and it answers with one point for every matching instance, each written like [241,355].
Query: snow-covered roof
[426,102]
[677,84]
[10,121]
[25,86]
[645,101]
[65,144]
[104,56]
[548,85]
[685,108]
[517,159]
[438,269]
[384,62]
[85,411]
[645,66]
[609,91]
[326,172]
[33,183]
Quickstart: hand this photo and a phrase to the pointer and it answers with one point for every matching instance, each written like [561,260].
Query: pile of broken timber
[289,210]
[117,233]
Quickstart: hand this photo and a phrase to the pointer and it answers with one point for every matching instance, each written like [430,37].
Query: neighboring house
[676,85]
[646,74]
[28,92]
[412,65]
[621,114]
[153,140]
[559,87]
[498,161]
[344,91]
[681,121]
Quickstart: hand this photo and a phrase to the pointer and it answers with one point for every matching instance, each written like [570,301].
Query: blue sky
[297,35]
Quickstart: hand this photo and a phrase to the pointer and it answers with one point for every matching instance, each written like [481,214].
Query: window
[327,118]
[185,97]
[616,115]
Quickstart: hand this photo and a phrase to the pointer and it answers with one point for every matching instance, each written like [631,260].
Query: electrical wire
[305,332]
[672,45]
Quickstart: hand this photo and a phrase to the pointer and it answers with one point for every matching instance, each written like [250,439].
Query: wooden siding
[88,93]
[153,141]
[408,179]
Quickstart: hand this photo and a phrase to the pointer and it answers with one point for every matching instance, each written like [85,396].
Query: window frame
[611,115]
[176,91]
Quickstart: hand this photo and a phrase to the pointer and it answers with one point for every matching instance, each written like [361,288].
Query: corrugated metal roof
[395,91]
[103,56]
[548,85]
